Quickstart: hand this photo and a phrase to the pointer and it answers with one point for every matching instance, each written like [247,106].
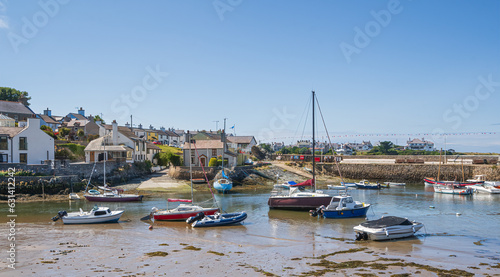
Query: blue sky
[378,67]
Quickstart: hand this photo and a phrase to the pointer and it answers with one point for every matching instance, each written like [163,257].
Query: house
[304,144]
[28,144]
[16,110]
[119,142]
[168,137]
[78,116]
[204,135]
[364,146]
[6,121]
[152,134]
[49,121]
[277,146]
[151,150]
[202,151]
[241,143]
[417,144]
[344,149]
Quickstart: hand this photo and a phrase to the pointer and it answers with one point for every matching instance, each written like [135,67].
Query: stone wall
[426,158]
[408,172]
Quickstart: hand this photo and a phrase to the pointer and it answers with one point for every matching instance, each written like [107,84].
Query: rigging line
[300,121]
[204,173]
[307,117]
[331,146]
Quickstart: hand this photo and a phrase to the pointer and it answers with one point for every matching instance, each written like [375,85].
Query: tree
[385,146]
[11,94]
[80,133]
[267,147]
[98,118]
[212,162]
[64,131]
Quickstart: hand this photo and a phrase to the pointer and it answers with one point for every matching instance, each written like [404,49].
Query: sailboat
[223,184]
[109,194]
[182,211]
[297,198]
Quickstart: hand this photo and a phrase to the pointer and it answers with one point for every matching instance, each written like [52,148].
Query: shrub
[212,162]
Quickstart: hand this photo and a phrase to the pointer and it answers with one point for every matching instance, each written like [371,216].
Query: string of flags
[399,135]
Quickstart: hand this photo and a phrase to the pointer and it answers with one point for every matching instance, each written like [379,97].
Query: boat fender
[386,233]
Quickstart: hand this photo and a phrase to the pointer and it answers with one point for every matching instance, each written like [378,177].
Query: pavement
[161,181]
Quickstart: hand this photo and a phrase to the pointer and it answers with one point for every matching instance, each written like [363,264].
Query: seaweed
[157,254]
[216,253]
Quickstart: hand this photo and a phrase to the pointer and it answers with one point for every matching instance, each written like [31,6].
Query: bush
[212,162]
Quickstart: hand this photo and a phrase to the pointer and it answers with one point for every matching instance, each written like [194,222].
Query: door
[92,156]
[202,161]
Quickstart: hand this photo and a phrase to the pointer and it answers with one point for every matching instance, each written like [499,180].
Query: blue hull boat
[342,206]
[366,185]
[223,185]
[202,220]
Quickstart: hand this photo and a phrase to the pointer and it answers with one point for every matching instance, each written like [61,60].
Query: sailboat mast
[313,143]
[190,166]
[223,144]
[104,161]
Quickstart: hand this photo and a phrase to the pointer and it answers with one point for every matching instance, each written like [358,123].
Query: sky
[381,70]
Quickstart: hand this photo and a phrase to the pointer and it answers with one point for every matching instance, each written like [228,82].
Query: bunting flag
[395,135]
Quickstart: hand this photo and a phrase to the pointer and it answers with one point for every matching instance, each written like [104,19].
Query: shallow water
[457,228]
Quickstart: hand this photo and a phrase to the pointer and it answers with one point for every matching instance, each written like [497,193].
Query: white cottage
[26,144]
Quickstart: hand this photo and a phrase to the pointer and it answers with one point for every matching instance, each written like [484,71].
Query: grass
[167,149]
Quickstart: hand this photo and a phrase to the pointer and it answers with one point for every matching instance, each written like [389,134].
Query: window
[4,158]
[23,143]
[23,158]
[3,143]
[214,152]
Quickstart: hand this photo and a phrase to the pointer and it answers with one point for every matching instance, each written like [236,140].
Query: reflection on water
[464,217]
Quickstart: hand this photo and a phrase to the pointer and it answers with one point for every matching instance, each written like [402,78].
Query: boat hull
[177,216]
[298,203]
[223,187]
[388,233]
[222,220]
[346,213]
[76,218]
[118,198]
[455,191]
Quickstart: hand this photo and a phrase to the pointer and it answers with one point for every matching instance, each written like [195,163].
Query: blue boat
[366,185]
[342,206]
[217,219]
[223,185]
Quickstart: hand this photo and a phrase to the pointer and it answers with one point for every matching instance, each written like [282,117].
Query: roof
[78,116]
[416,140]
[171,134]
[14,107]
[126,132]
[48,119]
[241,139]
[10,131]
[75,122]
[150,145]
[205,144]
[96,145]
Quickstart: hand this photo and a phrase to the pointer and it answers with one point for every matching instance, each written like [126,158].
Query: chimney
[151,127]
[162,129]
[127,125]
[33,122]
[115,132]
[47,112]
[140,126]
[81,111]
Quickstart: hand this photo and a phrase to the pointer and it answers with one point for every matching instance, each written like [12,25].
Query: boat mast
[190,166]
[223,145]
[104,140]
[313,143]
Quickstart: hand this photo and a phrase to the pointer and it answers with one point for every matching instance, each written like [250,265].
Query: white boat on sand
[386,228]
[96,215]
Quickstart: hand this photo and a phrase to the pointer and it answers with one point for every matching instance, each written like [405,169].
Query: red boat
[432,181]
[181,212]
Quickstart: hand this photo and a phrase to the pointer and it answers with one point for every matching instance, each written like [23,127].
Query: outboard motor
[197,217]
[318,211]
[361,236]
[59,215]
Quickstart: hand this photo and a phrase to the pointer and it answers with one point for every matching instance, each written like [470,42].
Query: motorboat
[342,186]
[96,215]
[181,212]
[218,219]
[111,195]
[364,184]
[453,189]
[342,206]
[485,188]
[387,228]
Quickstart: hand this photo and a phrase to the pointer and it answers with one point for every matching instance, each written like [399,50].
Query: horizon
[384,70]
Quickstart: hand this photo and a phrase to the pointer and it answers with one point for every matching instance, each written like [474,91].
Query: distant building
[6,121]
[364,146]
[16,110]
[203,150]
[417,144]
[277,146]
[344,149]
[304,144]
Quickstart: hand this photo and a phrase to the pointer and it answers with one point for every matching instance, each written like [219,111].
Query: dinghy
[202,220]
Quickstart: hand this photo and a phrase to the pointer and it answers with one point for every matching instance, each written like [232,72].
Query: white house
[26,144]
[241,143]
[417,144]
[120,143]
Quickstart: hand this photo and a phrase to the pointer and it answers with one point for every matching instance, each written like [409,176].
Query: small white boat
[386,228]
[485,188]
[390,184]
[74,196]
[453,189]
[96,215]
